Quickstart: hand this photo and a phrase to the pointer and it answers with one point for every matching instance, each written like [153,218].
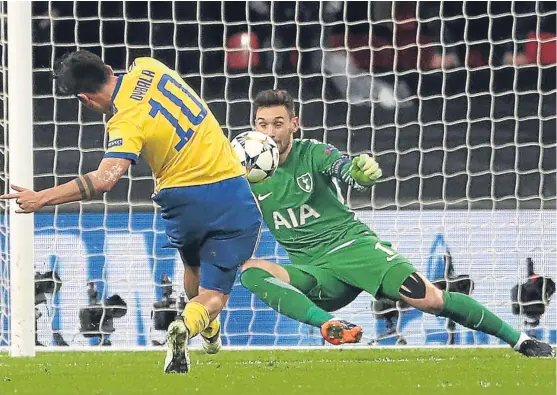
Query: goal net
[455,100]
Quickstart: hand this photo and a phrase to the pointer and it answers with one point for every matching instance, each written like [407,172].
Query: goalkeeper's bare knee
[273,269]
[420,293]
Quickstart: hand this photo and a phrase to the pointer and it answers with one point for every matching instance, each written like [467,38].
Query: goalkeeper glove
[365,170]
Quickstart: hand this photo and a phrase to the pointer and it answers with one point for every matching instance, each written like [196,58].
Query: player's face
[278,124]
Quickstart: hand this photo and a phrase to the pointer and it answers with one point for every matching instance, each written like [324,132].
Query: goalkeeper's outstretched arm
[86,187]
[361,172]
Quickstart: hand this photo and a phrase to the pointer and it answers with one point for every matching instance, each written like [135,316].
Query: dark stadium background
[457,146]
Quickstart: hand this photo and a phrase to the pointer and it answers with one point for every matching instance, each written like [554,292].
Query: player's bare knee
[249,264]
[273,269]
[434,300]
[214,296]
[191,281]
[214,301]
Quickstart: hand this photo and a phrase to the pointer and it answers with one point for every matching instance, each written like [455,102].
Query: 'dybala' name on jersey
[302,205]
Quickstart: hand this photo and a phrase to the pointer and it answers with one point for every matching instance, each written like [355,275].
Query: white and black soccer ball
[258,153]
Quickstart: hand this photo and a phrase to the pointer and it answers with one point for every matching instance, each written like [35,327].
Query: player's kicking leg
[216,227]
[197,315]
[289,291]
[202,311]
[403,282]
[211,339]
[177,355]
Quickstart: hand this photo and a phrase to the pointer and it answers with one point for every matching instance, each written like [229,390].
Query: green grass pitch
[319,372]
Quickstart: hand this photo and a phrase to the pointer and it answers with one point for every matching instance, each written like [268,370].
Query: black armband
[81,188]
[90,186]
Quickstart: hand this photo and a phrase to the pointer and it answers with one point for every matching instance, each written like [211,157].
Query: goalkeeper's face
[277,123]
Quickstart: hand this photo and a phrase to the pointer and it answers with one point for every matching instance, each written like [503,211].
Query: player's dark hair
[273,98]
[79,72]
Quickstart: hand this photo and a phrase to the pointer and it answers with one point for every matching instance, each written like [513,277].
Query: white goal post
[457,104]
[19,129]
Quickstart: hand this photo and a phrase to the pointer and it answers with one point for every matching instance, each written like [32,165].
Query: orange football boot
[341,332]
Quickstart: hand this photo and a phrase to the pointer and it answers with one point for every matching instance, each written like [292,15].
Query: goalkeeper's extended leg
[420,293]
[286,292]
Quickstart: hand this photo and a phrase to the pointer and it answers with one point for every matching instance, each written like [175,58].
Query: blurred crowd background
[456,99]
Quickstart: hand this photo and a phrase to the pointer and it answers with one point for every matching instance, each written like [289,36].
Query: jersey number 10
[156,107]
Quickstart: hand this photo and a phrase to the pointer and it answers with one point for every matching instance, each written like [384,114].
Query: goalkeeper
[334,256]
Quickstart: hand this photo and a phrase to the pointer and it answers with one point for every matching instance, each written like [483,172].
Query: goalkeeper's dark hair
[273,98]
[80,72]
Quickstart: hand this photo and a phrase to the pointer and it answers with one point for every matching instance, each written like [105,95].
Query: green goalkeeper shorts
[342,273]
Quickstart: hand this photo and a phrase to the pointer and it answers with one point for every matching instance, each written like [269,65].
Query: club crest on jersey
[305,182]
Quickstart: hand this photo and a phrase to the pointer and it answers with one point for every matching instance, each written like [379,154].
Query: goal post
[457,105]
[20,172]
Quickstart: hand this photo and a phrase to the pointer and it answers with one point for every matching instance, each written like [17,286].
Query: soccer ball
[258,153]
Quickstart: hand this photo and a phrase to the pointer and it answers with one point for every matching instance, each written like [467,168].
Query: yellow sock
[196,318]
[212,329]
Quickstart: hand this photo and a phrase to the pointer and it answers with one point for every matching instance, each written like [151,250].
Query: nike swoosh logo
[263,197]
[480,321]
[341,246]
[392,257]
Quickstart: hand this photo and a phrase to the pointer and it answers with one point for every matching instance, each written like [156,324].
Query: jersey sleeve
[325,156]
[125,140]
[330,161]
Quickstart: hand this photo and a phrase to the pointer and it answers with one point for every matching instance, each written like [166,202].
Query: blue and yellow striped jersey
[157,115]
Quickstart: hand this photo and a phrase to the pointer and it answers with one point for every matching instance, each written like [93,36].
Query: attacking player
[334,256]
[207,206]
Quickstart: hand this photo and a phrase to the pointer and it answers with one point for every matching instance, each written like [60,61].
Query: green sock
[283,297]
[470,313]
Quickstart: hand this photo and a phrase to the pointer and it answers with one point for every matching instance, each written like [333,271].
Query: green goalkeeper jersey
[302,205]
